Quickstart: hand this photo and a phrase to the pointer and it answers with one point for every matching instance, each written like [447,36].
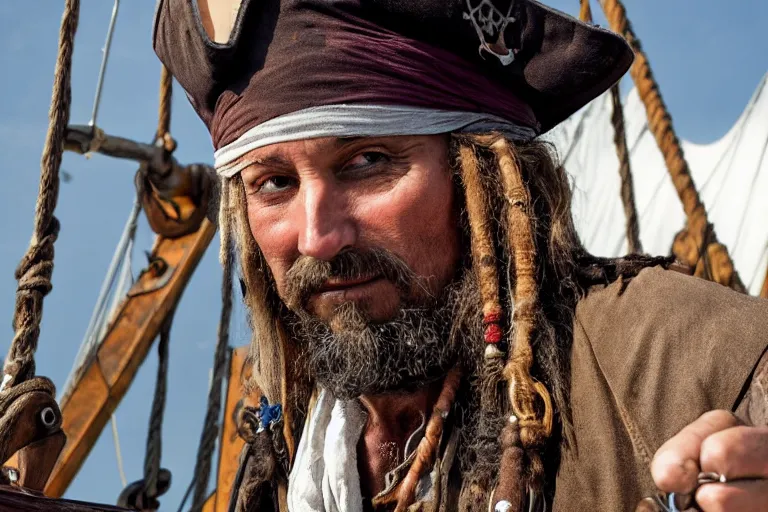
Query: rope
[660,124]
[36,267]
[117,281]
[210,428]
[622,152]
[164,110]
[118,452]
[155,436]
[585,13]
[625,173]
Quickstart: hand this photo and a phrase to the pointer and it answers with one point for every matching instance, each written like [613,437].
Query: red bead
[492,318]
[493,333]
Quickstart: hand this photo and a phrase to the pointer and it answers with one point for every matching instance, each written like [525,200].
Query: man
[424,315]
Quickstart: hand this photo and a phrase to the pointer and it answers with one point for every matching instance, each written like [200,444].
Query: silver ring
[711,478]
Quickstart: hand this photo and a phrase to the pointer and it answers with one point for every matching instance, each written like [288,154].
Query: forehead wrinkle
[340,142]
[274,160]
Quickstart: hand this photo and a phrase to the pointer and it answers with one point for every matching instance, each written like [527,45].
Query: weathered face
[316,199]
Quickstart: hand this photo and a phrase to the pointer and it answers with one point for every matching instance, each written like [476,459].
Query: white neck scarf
[324,477]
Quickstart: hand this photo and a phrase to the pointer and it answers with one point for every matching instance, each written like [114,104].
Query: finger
[739,452]
[648,505]
[746,496]
[675,467]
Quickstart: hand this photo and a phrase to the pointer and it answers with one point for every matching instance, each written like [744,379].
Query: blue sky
[709,58]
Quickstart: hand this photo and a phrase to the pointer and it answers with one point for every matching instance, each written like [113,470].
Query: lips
[335,284]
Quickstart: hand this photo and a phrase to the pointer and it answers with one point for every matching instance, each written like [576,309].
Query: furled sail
[731,175]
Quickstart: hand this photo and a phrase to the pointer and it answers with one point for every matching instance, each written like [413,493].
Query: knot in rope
[96,141]
[34,277]
[36,268]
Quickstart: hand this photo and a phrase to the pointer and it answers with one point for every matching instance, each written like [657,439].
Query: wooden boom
[106,376]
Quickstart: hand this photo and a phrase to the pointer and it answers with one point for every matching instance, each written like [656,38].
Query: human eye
[365,161]
[272,184]
[275,184]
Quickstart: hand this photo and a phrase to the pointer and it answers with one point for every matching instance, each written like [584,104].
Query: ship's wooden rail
[14,499]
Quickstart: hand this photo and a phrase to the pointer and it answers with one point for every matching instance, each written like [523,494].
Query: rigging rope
[118,280]
[36,267]
[118,452]
[154,449]
[164,110]
[585,13]
[699,231]
[625,173]
[620,140]
[210,429]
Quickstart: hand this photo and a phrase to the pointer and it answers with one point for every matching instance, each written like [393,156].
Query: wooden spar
[99,388]
[86,139]
[14,499]
[210,504]
[764,291]
[230,443]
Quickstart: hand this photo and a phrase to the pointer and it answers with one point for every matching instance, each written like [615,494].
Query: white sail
[730,174]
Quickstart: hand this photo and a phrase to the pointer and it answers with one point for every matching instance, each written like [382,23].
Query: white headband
[359,121]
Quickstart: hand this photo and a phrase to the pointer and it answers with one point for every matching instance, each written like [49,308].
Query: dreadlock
[547,271]
[486,270]
[270,350]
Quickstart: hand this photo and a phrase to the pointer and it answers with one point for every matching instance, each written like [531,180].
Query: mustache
[308,275]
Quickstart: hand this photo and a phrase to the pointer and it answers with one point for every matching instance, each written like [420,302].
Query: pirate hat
[295,69]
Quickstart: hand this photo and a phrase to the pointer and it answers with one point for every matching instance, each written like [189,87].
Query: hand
[717,442]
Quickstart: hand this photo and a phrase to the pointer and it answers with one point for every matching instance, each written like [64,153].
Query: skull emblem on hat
[489,21]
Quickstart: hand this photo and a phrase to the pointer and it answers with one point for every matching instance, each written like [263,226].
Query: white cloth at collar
[324,477]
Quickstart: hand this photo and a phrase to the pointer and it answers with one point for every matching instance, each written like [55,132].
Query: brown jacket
[649,357]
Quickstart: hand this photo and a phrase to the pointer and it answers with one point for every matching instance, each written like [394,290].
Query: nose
[327,226]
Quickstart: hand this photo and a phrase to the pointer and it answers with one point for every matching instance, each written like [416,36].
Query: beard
[350,355]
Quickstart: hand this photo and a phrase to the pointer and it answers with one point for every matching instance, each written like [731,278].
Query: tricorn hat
[296,69]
